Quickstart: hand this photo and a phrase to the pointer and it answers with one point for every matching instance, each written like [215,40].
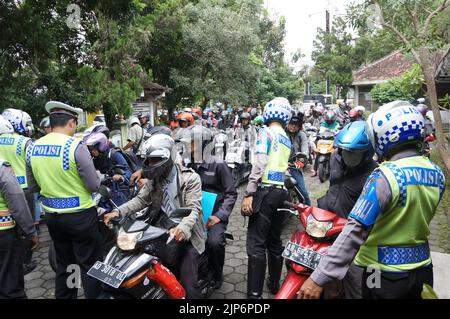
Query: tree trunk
[428,69]
[109,116]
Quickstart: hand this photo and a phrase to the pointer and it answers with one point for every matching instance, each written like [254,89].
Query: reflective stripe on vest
[278,158]
[398,240]
[12,150]
[6,221]
[52,159]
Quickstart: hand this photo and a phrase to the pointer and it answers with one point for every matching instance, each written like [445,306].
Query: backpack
[130,157]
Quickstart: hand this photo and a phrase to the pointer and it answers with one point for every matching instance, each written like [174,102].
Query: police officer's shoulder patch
[367,208]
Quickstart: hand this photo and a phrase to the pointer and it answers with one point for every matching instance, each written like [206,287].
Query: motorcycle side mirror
[103,190]
[181,212]
[290,183]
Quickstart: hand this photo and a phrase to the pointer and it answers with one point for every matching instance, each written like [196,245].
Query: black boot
[255,277]
[275,264]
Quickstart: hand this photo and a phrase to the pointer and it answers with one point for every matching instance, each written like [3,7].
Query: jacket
[190,190]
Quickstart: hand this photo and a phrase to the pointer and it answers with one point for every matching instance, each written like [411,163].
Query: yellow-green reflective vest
[12,150]
[278,157]
[52,159]
[6,220]
[398,240]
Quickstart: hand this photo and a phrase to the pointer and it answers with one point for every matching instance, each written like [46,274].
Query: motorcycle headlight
[127,241]
[317,228]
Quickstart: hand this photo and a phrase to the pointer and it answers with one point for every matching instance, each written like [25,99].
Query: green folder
[208,202]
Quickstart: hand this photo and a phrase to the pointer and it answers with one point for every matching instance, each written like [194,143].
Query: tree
[406,87]
[417,23]
[218,39]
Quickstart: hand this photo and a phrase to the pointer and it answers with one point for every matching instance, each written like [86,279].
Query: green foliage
[405,88]
[333,54]
[222,50]
[445,101]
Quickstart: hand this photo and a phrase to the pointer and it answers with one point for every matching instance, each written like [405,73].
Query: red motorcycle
[305,249]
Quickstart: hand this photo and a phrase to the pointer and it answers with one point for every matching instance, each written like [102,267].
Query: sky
[303,17]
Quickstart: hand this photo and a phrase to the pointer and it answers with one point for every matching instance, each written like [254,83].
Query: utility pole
[327,28]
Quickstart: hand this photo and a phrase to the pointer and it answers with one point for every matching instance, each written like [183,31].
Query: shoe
[27,268]
[216,284]
[275,264]
[255,277]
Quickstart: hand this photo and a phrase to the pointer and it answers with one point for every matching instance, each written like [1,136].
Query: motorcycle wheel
[52,256]
[322,172]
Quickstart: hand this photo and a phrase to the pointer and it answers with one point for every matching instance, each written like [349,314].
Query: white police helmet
[20,120]
[5,126]
[394,124]
[278,109]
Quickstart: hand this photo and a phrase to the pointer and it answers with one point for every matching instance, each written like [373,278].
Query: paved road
[40,283]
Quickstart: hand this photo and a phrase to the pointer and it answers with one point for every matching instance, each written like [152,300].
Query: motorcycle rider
[144,119]
[61,168]
[135,136]
[174,123]
[264,195]
[105,158]
[299,143]
[389,225]
[216,178]
[247,133]
[316,116]
[350,166]
[14,151]
[329,123]
[354,116]
[44,126]
[170,185]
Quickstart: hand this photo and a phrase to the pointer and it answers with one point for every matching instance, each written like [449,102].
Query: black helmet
[297,117]
[158,156]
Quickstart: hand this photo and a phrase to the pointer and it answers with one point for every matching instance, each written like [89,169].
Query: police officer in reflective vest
[389,225]
[264,195]
[14,214]
[13,146]
[62,168]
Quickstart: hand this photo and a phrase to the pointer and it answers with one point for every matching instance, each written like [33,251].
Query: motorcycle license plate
[107,274]
[301,255]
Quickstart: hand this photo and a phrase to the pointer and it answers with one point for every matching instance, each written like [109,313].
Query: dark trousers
[77,241]
[26,242]
[12,283]
[264,227]
[189,272]
[215,246]
[405,285]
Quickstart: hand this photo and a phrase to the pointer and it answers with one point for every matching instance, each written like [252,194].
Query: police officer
[13,150]
[264,195]
[389,225]
[61,167]
[14,212]
[216,178]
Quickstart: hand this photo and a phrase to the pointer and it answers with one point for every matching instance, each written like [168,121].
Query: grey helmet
[158,153]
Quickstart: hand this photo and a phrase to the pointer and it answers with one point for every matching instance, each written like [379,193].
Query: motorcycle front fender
[291,285]
[323,158]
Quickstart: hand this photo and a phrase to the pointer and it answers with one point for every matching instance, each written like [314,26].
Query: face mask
[352,158]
